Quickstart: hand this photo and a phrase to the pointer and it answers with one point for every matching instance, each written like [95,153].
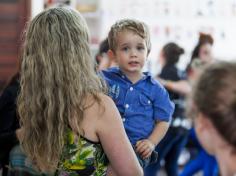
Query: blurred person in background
[200,160]
[9,122]
[172,144]
[202,51]
[103,59]
[201,55]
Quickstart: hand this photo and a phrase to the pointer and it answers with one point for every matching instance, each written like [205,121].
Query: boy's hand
[145,148]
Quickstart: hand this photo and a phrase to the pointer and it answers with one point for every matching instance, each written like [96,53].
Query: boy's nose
[133,53]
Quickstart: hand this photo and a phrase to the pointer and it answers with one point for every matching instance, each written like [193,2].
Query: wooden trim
[14,15]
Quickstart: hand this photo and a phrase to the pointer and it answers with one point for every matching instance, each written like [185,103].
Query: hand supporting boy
[145,147]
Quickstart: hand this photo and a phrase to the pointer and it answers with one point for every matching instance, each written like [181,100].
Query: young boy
[143,103]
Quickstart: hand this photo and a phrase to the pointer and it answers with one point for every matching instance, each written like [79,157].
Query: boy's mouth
[133,63]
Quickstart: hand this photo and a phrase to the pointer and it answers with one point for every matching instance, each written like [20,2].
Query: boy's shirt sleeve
[163,106]
[108,77]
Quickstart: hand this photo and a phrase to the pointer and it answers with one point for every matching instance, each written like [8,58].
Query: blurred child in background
[103,59]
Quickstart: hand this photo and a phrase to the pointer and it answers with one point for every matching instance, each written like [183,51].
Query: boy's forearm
[159,132]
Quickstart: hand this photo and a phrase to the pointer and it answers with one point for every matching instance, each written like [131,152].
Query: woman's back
[82,156]
[60,90]
[82,152]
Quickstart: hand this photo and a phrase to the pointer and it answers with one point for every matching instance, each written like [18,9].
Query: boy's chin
[131,70]
[135,71]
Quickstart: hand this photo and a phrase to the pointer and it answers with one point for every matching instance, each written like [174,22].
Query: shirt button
[123,119]
[149,102]
[126,106]
[131,88]
[123,76]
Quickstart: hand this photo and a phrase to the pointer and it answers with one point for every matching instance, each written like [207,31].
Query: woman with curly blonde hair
[67,122]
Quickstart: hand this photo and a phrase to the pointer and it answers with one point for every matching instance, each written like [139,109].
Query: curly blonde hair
[57,74]
[138,27]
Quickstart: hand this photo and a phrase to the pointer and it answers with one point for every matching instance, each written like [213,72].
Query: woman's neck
[227,161]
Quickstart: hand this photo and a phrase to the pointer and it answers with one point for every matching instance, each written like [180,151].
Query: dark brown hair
[215,96]
[172,53]
[202,40]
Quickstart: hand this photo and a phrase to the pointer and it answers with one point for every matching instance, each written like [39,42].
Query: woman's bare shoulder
[108,105]
[106,99]
[96,115]
[101,109]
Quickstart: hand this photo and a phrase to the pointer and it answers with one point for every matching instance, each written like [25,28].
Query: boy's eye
[140,47]
[125,49]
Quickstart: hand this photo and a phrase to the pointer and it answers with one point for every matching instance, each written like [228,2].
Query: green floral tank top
[82,157]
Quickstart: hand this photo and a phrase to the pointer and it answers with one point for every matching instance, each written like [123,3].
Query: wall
[178,20]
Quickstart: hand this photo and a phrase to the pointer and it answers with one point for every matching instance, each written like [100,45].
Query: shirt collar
[117,71]
[147,75]
[114,70]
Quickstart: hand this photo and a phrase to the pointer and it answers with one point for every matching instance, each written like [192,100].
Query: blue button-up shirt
[140,104]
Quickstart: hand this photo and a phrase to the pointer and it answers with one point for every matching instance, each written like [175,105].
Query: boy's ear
[148,52]
[111,54]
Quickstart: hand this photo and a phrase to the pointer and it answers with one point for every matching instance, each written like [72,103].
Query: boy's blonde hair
[135,26]
[57,74]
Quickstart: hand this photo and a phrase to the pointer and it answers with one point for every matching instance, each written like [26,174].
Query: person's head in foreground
[129,43]
[214,106]
[59,91]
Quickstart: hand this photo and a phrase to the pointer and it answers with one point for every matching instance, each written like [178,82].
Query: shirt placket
[128,101]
